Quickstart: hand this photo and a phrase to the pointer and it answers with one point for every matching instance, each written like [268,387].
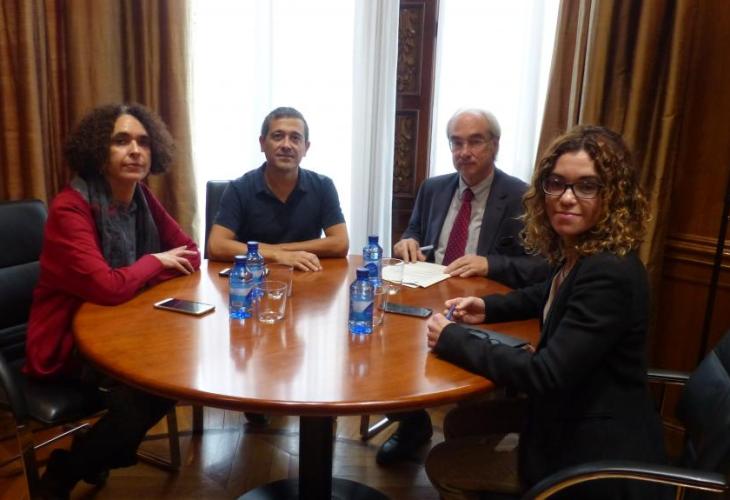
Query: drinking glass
[380,297]
[281,272]
[271,301]
[392,275]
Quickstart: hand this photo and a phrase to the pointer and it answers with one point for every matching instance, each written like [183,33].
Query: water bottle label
[240,291]
[362,307]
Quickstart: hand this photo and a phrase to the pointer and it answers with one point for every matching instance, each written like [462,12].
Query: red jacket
[74,271]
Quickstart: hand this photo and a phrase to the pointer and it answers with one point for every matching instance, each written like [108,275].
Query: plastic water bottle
[240,285]
[255,262]
[372,255]
[361,303]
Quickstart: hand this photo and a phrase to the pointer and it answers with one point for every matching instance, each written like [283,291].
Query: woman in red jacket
[106,238]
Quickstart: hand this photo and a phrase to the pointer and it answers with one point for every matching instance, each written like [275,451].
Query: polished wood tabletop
[306,364]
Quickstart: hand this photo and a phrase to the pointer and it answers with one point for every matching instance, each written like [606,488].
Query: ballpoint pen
[426,248]
[450,314]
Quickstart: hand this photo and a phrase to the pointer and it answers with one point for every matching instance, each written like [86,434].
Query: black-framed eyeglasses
[584,188]
[473,143]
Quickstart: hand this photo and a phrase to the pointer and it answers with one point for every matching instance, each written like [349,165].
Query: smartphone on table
[184,306]
[419,312]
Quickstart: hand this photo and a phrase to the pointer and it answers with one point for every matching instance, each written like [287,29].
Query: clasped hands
[298,259]
[466,310]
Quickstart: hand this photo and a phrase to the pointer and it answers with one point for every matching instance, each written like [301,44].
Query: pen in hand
[450,314]
[426,248]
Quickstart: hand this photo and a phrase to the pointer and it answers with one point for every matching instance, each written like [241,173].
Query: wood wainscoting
[683,297]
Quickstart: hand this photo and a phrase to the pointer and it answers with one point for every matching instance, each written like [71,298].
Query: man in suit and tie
[471,218]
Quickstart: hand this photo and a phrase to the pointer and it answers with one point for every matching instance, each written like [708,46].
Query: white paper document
[421,274]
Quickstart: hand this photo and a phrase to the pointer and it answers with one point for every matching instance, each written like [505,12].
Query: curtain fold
[59,59]
[29,66]
[373,121]
[622,64]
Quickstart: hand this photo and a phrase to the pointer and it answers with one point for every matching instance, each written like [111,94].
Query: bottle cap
[373,238]
[240,259]
[253,246]
[363,273]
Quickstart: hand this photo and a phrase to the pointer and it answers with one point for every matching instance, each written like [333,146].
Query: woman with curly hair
[585,382]
[106,238]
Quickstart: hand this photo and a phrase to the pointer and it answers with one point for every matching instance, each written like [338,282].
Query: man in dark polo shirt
[281,205]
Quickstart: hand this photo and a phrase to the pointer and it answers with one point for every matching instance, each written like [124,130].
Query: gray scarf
[126,232]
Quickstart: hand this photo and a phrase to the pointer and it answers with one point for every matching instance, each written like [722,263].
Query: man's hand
[407,249]
[304,261]
[176,258]
[468,265]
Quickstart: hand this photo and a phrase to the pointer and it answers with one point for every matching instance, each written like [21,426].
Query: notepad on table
[422,274]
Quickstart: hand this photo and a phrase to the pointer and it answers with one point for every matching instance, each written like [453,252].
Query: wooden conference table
[306,364]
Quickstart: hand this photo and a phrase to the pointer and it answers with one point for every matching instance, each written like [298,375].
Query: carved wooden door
[416,54]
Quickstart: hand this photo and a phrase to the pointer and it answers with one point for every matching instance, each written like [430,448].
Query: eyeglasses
[584,188]
[474,144]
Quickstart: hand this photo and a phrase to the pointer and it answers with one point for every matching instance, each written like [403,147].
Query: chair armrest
[616,469]
[667,376]
[14,396]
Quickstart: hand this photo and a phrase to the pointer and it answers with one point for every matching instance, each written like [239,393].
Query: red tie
[460,230]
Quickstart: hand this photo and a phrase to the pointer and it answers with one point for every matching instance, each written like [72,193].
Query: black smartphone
[419,312]
[185,306]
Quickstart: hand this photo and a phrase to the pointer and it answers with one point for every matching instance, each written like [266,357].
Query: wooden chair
[368,431]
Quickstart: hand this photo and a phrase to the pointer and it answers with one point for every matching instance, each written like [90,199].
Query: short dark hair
[284,112]
[87,148]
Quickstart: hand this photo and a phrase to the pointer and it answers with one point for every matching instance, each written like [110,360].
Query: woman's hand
[176,258]
[467,309]
[435,325]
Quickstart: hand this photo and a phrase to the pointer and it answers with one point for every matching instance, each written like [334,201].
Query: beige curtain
[623,64]
[58,59]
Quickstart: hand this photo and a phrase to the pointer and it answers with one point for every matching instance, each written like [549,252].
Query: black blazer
[499,239]
[586,383]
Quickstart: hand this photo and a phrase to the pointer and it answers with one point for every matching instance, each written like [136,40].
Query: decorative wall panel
[414,98]
[410,49]
[406,142]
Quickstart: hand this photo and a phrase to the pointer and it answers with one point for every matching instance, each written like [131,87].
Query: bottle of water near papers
[361,303]
[240,285]
[255,262]
[372,256]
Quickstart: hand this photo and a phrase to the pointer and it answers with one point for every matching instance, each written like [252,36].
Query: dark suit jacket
[499,237]
[586,383]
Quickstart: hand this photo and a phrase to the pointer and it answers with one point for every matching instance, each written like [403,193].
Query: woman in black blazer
[586,385]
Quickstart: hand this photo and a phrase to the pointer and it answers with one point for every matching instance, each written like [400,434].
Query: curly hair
[87,148]
[624,209]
